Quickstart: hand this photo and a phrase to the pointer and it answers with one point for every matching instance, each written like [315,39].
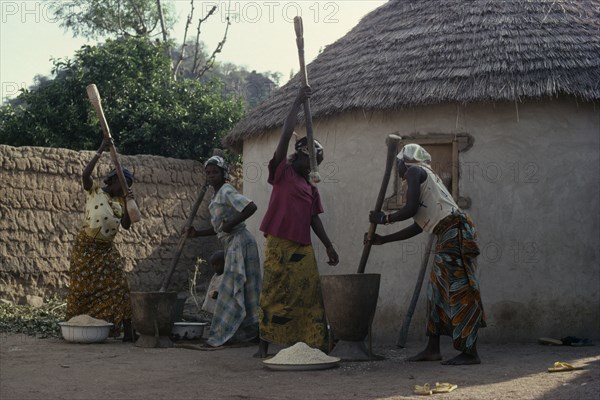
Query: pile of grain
[301,354]
[86,320]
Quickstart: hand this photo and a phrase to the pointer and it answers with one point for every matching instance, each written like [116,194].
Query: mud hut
[505,95]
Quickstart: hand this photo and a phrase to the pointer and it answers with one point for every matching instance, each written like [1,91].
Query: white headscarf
[413,153]
[219,162]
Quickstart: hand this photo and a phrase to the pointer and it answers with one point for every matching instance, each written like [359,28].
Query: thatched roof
[417,52]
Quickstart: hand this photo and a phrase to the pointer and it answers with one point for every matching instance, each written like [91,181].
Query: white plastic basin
[84,334]
[188,330]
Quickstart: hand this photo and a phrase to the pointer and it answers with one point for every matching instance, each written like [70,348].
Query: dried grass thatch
[409,53]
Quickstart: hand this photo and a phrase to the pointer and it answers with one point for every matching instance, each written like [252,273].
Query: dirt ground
[33,368]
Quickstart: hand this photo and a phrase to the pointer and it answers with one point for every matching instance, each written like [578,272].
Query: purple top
[293,203]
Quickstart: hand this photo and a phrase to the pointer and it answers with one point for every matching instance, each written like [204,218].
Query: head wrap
[219,162]
[301,146]
[414,154]
[126,173]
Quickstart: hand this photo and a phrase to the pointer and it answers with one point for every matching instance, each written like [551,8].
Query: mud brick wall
[41,210]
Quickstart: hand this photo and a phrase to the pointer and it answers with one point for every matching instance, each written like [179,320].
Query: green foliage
[98,18]
[250,86]
[148,112]
[34,321]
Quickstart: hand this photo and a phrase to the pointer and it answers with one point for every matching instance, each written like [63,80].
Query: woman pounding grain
[291,306]
[235,317]
[453,299]
[98,284]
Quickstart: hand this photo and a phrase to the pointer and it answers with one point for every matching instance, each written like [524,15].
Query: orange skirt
[454,305]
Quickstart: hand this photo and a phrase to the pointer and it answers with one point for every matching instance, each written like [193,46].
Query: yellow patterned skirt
[98,285]
[291,304]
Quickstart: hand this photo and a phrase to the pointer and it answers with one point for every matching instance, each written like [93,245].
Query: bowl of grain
[85,329]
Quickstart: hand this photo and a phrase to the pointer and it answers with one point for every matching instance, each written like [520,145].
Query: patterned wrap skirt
[235,317]
[98,286]
[291,304]
[454,301]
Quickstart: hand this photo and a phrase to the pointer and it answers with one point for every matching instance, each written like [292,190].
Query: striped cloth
[454,301]
[226,204]
[235,317]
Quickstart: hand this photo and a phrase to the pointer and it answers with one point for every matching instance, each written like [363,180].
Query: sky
[261,36]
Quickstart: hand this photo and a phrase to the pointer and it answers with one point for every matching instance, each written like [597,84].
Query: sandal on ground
[443,387]
[575,341]
[560,366]
[550,341]
[424,390]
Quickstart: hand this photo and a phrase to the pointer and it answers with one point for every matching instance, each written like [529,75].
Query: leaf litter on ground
[34,321]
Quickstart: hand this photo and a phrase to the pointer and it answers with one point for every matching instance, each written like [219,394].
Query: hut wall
[533,178]
[41,210]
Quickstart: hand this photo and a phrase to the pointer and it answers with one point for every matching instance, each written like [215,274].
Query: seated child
[217,261]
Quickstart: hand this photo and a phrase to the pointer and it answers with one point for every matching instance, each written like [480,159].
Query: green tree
[252,87]
[142,18]
[147,110]
[99,18]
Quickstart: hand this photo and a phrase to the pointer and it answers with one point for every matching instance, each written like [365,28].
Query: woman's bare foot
[426,355]
[431,352]
[463,359]
[263,349]
[129,334]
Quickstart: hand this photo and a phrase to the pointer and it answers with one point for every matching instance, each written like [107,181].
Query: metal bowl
[188,330]
[84,334]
